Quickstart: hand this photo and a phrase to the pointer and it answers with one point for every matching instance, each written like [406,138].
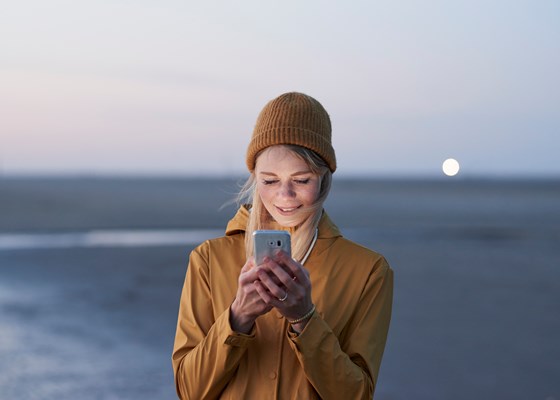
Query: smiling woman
[292,195]
[277,329]
[288,188]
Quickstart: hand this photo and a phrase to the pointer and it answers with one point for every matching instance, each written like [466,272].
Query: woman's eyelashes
[296,181]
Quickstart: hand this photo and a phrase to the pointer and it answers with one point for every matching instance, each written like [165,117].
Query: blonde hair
[259,218]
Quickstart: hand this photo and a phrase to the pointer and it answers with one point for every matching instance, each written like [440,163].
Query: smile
[287,209]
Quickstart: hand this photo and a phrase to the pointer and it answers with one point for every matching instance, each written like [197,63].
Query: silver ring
[283,298]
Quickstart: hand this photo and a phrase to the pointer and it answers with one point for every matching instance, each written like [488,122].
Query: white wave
[106,238]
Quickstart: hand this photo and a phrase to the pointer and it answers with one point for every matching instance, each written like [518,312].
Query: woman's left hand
[284,284]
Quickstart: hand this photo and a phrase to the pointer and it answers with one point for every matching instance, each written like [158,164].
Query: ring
[283,298]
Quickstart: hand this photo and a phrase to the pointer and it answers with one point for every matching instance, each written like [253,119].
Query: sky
[174,87]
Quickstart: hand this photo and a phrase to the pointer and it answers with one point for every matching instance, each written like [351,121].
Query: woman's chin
[288,222]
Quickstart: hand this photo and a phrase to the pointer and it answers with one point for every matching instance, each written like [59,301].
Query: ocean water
[91,271]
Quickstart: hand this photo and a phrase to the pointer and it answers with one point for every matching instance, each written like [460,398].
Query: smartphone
[267,241]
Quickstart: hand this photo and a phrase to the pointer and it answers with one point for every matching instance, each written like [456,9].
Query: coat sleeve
[348,368]
[206,351]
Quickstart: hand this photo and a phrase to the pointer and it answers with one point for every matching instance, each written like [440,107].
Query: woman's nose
[287,190]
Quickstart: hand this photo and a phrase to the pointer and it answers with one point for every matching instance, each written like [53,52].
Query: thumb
[250,263]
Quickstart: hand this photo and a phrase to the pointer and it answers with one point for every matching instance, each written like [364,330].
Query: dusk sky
[174,87]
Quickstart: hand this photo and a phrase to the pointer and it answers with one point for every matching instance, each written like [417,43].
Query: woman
[280,330]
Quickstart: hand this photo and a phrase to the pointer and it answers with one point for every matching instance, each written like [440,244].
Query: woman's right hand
[248,304]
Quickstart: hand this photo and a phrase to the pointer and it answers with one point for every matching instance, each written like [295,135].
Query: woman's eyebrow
[302,172]
[294,174]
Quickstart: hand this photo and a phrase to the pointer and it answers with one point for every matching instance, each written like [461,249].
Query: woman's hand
[284,284]
[248,303]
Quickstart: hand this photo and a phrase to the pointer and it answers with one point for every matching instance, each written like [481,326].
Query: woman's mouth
[287,210]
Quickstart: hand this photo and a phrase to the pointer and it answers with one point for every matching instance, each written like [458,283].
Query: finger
[280,276]
[263,292]
[250,263]
[270,284]
[249,276]
[294,268]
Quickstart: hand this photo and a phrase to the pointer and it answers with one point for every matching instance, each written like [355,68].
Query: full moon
[450,167]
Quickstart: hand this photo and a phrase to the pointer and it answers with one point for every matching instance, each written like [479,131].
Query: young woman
[309,327]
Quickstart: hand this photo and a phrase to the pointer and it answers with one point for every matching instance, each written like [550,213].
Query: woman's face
[286,185]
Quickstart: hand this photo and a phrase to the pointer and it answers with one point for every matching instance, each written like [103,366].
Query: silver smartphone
[267,241]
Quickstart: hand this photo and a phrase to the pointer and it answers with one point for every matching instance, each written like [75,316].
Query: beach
[91,271]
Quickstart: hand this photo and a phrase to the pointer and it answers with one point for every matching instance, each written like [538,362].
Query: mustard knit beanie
[293,118]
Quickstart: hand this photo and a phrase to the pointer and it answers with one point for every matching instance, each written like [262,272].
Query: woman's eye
[269,181]
[302,181]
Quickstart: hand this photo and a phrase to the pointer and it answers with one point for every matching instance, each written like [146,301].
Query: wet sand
[477,285]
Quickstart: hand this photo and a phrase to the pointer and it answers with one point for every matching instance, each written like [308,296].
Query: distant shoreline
[241,178]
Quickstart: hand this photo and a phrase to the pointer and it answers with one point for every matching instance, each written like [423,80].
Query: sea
[91,271]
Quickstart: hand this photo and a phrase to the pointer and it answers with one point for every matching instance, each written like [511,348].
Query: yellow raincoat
[336,356]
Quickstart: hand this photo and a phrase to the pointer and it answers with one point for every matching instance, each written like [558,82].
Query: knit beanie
[293,118]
